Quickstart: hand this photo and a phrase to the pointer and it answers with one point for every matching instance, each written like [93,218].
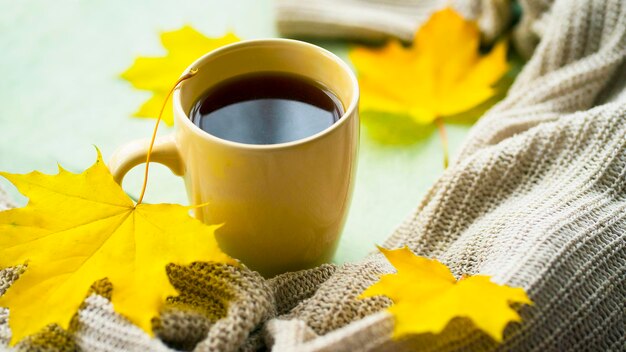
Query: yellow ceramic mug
[284,205]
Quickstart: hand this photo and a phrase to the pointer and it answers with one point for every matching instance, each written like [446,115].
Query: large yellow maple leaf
[441,74]
[427,297]
[80,228]
[156,74]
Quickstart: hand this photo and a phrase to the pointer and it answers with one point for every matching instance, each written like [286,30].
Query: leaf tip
[98,154]
[231,36]
[381,248]
[61,168]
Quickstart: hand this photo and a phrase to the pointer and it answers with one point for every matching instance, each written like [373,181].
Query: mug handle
[134,153]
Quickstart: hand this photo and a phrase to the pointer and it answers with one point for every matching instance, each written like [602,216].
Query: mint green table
[60,95]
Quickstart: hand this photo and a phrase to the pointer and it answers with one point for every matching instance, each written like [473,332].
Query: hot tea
[266,108]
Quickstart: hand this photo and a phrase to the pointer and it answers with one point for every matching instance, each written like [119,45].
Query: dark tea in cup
[266,108]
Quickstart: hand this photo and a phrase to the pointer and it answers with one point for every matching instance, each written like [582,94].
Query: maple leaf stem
[184,77]
[444,140]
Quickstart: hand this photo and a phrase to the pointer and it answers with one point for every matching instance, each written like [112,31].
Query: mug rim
[349,111]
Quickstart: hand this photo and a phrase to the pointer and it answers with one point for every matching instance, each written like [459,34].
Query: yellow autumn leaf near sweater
[81,228]
[156,74]
[427,297]
[440,74]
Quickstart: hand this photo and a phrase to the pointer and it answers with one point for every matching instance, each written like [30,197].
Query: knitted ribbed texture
[536,199]
[374,20]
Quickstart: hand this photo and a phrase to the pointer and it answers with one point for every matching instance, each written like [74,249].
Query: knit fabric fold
[375,20]
[535,199]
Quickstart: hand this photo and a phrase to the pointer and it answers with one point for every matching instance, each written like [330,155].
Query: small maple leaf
[156,74]
[80,228]
[441,74]
[427,297]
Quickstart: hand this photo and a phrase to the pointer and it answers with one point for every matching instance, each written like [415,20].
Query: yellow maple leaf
[156,74]
[441,74]
[427,297]
[80,228]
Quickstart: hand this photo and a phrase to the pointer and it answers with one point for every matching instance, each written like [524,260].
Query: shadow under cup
[282,206]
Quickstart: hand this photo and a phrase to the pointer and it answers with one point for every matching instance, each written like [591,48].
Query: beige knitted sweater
[537,199]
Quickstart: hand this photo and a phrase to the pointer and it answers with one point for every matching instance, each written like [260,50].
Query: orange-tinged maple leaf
[427,297]
[156,74]
[80,228]
[441,74]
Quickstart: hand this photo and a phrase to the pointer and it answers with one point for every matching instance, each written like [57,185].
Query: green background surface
[60,94]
